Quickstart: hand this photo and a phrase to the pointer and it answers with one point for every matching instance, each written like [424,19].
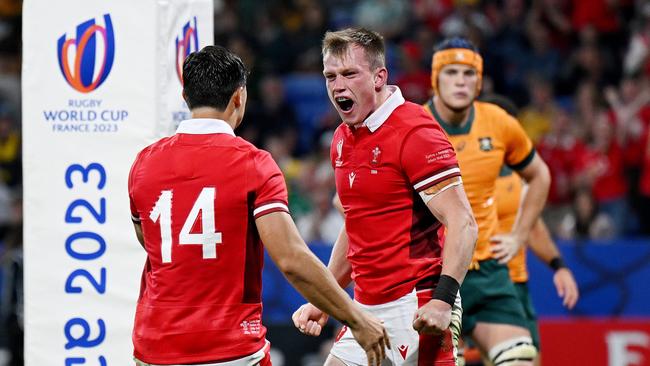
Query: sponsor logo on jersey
[339,153]
[485,143]
[186,43]
[403,350]
[351,178]
[86,60]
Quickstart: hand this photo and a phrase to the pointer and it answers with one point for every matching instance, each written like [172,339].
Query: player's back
[195,195]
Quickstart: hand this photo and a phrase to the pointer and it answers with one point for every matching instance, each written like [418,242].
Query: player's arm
[448,202]
[542,245]
[315,282]
[453,210]
[138,232]
[538,178]
[339,264]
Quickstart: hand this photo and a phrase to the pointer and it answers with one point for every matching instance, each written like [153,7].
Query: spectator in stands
[537,117]
[601,171]
[560,148]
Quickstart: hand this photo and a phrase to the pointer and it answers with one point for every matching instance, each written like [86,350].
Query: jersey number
[208,238]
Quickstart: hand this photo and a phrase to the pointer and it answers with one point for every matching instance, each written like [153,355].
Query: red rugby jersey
[380,168]
[197,194]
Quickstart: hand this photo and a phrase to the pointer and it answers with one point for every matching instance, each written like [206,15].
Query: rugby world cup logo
[87,67]
[186,44]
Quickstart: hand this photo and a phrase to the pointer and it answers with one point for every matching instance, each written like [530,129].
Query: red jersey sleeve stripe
[437,178]
[135,218]
[270,207]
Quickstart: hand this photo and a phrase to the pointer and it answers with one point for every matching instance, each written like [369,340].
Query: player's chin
[460,104]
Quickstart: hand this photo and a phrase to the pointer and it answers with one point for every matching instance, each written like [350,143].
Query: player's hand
[309,320]
[504,247]
[566,287]
[432,318]
[372,337]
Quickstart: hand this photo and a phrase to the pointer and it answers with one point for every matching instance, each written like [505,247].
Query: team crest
[339,153]
[485,143]
[376,156]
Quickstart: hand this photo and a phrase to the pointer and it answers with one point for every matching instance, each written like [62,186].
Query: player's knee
[517,351]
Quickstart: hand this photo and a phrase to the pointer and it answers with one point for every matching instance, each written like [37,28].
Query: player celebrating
[203,201]
[394,167]
[485,137]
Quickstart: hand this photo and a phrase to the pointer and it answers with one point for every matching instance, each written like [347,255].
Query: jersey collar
[449,128]
[379,116]
[202,126]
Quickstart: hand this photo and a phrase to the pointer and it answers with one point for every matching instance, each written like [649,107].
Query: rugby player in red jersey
[398,181]
[204,203]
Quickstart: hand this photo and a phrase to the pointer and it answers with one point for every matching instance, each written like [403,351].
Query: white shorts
[408,348]
[261,357]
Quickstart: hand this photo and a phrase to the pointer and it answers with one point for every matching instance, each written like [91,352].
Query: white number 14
[208,237]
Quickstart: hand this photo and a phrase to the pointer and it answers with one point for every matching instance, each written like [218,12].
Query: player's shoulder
[492,113]
[154,147]
[410,116]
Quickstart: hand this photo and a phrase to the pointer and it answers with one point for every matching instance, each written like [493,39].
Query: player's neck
[456,118]
[208,112]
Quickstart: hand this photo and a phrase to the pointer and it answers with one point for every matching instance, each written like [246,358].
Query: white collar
[202,126]
[381,114]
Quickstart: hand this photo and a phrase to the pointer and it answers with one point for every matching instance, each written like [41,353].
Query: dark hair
[337,44]
[211,76]
[455,42]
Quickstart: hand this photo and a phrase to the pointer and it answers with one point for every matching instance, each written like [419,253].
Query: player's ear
[381,77]
[238,97]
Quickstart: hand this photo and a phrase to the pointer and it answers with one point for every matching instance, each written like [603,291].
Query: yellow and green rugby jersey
[508,196]
[488,140]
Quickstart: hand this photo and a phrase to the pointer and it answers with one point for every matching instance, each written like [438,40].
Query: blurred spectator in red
[432,12]
[537,117]
[630,112]
[560,149]
[414,81]
[601,170]
[602,14]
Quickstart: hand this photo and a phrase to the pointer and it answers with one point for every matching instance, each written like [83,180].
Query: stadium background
[578,71]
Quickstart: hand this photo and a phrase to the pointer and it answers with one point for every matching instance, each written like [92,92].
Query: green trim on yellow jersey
[449,129]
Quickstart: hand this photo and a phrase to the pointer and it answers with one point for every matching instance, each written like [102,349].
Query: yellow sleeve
[519,148]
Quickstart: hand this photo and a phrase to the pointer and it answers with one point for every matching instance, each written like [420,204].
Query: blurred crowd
[576,71]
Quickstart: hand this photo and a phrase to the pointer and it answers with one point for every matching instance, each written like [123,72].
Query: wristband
[556,263]
[447,290]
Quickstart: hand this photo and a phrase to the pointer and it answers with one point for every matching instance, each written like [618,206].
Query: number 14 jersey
[196,195]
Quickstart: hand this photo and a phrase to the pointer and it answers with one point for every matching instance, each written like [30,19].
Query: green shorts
[531,317]
[489,296]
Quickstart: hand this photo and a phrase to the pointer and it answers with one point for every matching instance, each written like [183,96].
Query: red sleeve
[270,189]
[428,158]
[135,215]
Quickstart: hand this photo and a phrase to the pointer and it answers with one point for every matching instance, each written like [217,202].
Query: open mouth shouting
[345,104]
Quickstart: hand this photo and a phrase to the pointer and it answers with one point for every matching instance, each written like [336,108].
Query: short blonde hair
[337,43]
